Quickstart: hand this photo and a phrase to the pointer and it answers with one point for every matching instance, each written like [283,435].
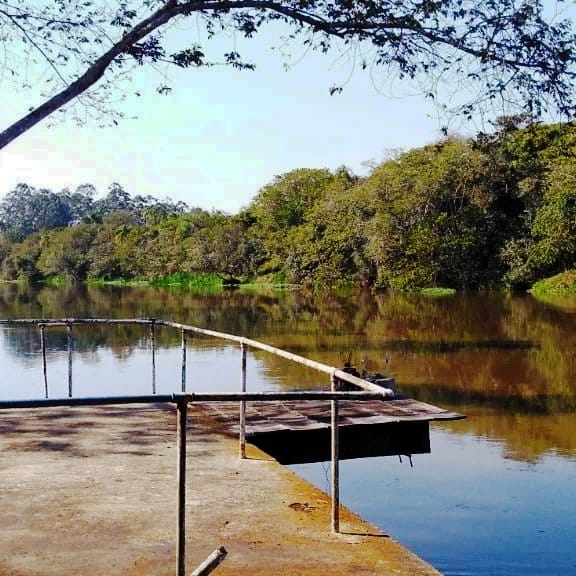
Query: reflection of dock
[295,432]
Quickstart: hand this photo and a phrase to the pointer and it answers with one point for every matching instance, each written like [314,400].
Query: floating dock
[297,432]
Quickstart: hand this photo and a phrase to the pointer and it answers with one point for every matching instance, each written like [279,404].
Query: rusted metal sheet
[299,431]
[264,417]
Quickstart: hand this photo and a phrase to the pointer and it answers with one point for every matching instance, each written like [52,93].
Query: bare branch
[504,46]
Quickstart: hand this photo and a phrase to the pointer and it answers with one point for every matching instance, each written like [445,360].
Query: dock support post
[243,404]
[335,461]
[183,360]
[182,414]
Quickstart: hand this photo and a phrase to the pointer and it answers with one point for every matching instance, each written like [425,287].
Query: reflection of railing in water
[181,400]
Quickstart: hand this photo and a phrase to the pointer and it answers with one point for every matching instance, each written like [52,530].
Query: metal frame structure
[370,391]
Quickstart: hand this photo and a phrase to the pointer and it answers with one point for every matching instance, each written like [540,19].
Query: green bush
[563,283]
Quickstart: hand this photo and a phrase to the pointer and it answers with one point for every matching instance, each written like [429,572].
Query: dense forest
[494,211]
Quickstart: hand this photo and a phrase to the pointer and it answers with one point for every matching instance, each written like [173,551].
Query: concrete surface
[93,491]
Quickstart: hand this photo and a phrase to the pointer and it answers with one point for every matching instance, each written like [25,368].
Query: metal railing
[370,391]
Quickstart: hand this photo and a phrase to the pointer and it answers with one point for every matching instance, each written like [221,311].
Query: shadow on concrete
[136,430]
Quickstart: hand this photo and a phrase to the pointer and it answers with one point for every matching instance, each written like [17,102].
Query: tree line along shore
[495,211]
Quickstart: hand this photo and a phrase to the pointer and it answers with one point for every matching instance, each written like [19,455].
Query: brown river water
[497,495]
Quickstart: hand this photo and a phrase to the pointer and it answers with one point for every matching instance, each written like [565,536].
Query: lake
[497,494]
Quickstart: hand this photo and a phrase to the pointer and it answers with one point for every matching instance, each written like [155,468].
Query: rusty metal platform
[299,431]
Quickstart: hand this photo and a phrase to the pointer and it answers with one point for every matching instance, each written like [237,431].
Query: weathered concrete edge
[352,523]
[99,484]
[404,561]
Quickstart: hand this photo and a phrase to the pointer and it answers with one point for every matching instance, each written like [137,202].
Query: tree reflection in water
[506,361]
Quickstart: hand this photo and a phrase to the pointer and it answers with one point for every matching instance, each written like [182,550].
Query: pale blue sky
[222,134]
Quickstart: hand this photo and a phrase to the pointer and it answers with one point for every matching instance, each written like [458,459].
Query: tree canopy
[520,52]
[495,211]
[25,209]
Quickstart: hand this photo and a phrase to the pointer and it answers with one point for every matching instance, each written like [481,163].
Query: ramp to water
[92,490]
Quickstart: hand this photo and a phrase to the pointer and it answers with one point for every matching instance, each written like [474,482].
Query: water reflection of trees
[527,437]
[484,353]
[491,348]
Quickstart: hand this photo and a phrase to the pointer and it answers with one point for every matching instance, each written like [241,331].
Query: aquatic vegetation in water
[437,291]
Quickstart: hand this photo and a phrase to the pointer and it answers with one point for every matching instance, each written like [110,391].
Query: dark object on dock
[297,432]
[374,377]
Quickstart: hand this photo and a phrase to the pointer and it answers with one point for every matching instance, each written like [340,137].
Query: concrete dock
[92,490]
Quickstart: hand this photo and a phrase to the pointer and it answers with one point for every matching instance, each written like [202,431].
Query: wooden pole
[182,414]
[335,460]
[70,347]
[183,360]
[44,369]
[243,404]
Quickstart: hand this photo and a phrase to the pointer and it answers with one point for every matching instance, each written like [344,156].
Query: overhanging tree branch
[536,59]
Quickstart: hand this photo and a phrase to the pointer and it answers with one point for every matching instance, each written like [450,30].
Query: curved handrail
[387,390]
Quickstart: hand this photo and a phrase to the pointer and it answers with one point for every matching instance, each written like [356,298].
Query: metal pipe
[44,367]
[174,398]
[182,419]
[70,347]
[211,563]
[335,457]
[66,321]
[153,345]
[243,404]
[340,374]
[86,401]
[183,361]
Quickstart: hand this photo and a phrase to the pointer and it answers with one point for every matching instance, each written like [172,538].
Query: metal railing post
[44,367]
[70,348]
[153,345]
[182,420]
[243,404]
[183,360]
[335,457]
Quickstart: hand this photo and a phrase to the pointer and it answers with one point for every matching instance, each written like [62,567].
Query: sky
[222,134]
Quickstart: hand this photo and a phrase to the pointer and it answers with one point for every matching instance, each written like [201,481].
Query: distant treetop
[26,209]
